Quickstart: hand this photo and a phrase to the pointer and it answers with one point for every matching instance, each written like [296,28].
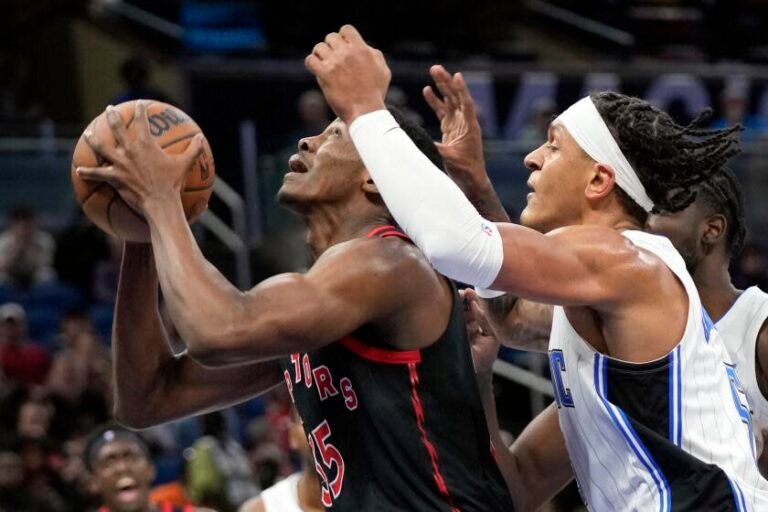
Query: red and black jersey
[395,430]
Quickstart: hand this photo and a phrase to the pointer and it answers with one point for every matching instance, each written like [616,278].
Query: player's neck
[328,225]
[309,491]
[715,286]
[614,218]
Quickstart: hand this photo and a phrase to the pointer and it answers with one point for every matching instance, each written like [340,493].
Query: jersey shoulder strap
[387,231]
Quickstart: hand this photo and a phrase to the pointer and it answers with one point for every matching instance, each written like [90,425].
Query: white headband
[586,126]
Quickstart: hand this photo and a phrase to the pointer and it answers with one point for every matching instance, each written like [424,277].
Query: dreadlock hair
[671,160]
[722,194]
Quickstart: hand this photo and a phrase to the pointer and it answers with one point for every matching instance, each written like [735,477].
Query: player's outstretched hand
[140,170]
[462,144]
[353,76]
[484,344]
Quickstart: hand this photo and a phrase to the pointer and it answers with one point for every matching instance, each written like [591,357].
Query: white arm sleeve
[426,203]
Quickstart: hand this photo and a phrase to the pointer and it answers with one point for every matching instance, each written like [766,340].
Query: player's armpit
[572,266]
[351,284]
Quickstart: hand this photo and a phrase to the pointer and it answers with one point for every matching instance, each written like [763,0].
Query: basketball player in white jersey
[648,407]
[708,234]
[300,492]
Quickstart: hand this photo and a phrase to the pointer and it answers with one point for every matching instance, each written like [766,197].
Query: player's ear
[715,227]
[601,181]
[369,187]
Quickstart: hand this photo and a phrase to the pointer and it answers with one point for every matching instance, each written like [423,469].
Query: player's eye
[337,132]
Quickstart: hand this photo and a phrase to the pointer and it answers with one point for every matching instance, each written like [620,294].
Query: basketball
[173,130]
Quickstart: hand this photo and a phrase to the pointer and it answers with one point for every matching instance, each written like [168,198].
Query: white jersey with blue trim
[671,434]
[739,329]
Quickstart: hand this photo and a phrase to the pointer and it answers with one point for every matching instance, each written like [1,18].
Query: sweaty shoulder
[392,257]
[614,256]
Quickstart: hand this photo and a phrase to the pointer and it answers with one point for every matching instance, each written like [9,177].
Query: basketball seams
[180,139]
[92,191]
[115,197]
[198,189]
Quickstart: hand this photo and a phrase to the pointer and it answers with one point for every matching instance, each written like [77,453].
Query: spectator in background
[41,481]
[11,482]
[734,109]
[20,361]
[218,473]
[26,252]
[122,472]
[136,78]
[314,114]
[78,407]
[34,418]
[79,249]
[299,492]
[72,324]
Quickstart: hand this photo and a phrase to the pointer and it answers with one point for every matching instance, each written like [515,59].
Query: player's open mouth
[296,165]
[127,490]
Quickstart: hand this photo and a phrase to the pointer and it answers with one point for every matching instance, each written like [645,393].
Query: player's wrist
[159,206]
[348,115]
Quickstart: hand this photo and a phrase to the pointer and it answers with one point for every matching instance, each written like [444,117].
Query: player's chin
[527,217]
[530,218]
[290,196]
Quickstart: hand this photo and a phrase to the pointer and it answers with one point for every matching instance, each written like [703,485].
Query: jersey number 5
[557,368]
[330,457]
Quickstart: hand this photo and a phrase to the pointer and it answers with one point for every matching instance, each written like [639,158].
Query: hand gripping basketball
[136,163]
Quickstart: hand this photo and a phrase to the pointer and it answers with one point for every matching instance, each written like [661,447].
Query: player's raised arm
[222,325]
[458,241]
[462,142]
[152,385]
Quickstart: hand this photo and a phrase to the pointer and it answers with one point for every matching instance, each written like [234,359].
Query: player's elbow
[133,418]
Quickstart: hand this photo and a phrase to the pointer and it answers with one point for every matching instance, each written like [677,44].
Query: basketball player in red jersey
[366,340]
[122,472]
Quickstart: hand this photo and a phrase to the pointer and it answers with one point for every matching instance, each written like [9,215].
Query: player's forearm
[479,190]
[152,385]
[140,350]
[427,204]
[541,460]
[536,466]
[504,458]
[520,323]
[206,308]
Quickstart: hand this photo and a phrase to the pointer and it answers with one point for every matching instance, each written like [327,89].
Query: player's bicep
[301,312]
[566,267]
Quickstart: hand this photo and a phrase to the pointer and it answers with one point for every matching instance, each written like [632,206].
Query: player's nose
[532,160]
[306,144]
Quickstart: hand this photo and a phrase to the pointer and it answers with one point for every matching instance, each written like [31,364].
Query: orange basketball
[173,130]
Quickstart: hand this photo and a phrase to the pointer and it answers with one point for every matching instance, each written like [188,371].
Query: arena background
[237,68]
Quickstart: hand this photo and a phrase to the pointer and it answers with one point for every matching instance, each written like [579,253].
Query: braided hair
[671,160]
[722,194]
